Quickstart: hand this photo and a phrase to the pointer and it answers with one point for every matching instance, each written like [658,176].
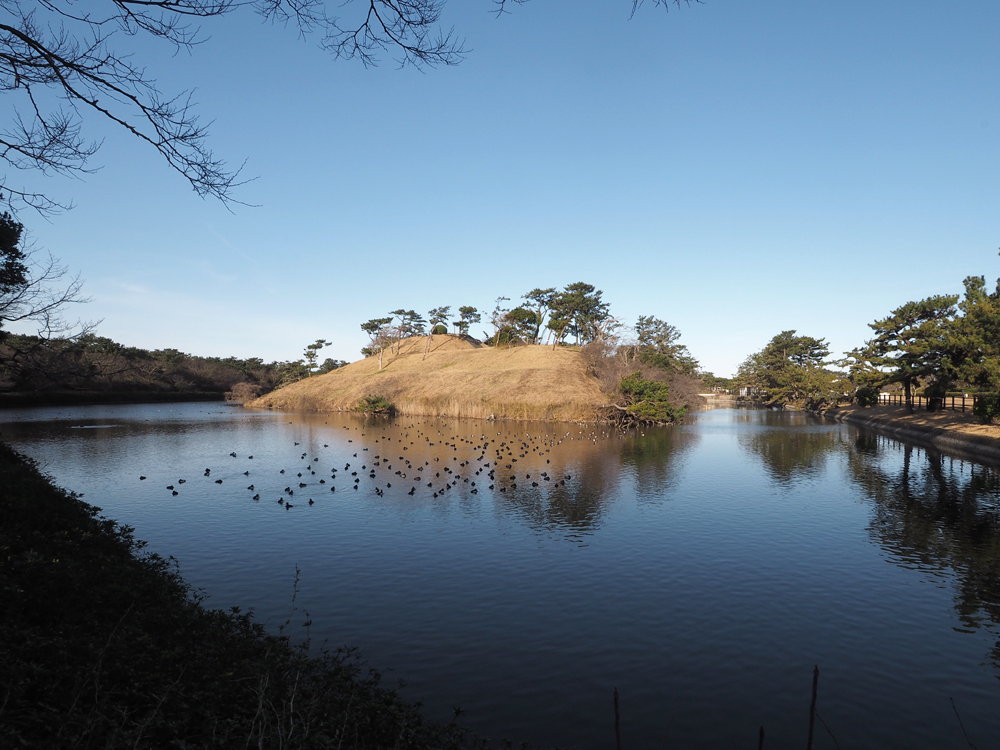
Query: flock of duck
[483,462]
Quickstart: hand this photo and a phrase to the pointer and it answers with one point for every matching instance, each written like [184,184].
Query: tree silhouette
[467,316]
[33,290]
[312,354]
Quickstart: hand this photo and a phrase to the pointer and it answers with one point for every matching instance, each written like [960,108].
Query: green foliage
[656,334]
[373,405]
[498,319]
[647,401]
[790,370]
[506,335]
[378,331]
[513,326]
[374,326]
[438,318]
[909,345]
[542,300]
[579,311]
[293,372]
[972,341]
[866,396]
[312,354]
[711,382]
[467,316]
[987,407]
[329,365]
[13,270]
[658,346]
[410,323]
[523,322]
[861,370]
[30,287]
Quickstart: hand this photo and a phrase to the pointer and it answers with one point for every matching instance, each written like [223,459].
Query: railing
[955,403]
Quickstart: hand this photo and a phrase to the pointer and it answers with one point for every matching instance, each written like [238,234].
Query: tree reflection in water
[595,461]
[937,513]
[791,454]
[654,455]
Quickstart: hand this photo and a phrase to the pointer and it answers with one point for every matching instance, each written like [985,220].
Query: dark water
[702,570]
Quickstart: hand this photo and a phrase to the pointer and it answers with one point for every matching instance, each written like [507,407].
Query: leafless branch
[60,60]
[43,298]
[407,26]
[665,4]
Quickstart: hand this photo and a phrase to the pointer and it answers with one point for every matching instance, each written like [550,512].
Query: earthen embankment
[948,431]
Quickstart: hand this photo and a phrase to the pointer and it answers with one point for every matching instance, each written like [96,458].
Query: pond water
[702,569]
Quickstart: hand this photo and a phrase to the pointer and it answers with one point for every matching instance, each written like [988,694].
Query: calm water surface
[701,569]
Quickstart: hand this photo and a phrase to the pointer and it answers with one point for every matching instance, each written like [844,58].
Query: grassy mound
[456,377]
[103,646]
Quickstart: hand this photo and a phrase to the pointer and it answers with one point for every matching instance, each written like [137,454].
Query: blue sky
[735,168]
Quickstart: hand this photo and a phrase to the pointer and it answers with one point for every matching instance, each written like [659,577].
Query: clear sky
[734,168]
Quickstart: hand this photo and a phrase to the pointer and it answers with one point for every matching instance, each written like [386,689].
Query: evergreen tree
[312,354]
[578,310]
[439,317]
[972,341]
[542,300]
[790,369]
[912,343]
[658,346]
[467,316]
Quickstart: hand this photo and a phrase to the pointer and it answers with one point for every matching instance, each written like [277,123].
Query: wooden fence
[955,403]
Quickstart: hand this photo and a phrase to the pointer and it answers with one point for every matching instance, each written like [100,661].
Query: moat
[522,571]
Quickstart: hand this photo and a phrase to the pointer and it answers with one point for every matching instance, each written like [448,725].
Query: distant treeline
[96,364]
[937,346]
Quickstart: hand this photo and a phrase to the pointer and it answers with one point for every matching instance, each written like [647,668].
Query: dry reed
[456,378]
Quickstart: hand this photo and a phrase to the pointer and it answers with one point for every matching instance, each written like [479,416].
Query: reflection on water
[524,570]
[931,512]
[790,445]
[937,513]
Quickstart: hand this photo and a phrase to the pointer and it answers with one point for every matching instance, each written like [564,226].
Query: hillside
[458,378]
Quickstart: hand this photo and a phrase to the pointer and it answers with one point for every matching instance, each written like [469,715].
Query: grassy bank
[104,646]
[456,377]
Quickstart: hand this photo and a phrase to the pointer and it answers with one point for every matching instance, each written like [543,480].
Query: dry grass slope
[458,378]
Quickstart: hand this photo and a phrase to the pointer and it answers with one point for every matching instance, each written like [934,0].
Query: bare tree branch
[60,60]
[665,4]
[34,288]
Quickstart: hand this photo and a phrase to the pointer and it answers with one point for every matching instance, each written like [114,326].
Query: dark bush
[866,396]
[375,405]
[987,407]
[646,401]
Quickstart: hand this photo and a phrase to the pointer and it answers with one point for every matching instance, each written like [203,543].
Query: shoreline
[85,604]
[947,431]
[85,398]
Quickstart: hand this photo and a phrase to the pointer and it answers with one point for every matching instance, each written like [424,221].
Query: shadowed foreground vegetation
[105,646]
